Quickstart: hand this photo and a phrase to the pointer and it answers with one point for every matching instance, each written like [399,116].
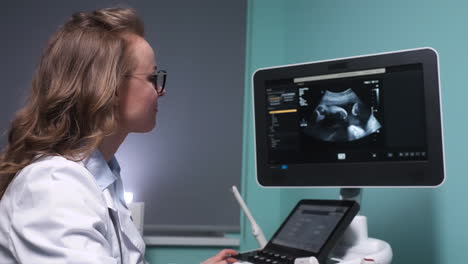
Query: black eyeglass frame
[154,79]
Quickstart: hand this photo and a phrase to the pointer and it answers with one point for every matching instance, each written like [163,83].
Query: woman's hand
[223,257]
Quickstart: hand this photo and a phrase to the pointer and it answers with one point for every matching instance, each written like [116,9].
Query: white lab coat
[54,211]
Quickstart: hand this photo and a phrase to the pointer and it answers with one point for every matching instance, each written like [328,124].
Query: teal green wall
[260,51]
[422,225]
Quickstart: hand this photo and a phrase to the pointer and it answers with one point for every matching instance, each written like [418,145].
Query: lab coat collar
[105,173]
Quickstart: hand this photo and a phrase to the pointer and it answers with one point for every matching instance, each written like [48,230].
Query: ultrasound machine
[353,123]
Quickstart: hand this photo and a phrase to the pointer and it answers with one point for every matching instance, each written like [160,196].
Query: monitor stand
[356,247]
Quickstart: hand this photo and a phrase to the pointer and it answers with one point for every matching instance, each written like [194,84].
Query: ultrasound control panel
[312,229]
[265,257]
[309,227]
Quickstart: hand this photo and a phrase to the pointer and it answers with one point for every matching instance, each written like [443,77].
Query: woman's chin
[146,128]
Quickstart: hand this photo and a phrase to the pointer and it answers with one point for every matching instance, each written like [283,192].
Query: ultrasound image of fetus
[341,117]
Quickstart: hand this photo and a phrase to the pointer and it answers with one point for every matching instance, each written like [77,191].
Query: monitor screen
[364,121]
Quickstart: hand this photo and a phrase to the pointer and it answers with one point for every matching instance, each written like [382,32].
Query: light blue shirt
[107,175]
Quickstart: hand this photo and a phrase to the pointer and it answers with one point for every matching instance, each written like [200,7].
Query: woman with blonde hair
[61,195]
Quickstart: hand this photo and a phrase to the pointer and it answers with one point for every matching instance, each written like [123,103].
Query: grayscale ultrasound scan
[341,117]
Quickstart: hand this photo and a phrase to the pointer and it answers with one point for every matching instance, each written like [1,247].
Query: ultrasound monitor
[364,121]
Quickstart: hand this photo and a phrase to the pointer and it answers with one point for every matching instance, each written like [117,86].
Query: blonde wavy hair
[72,103]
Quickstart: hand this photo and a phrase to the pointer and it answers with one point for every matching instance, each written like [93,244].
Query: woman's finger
[231,260]
[225,253]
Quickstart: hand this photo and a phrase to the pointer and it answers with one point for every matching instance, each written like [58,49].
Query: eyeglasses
[158,79]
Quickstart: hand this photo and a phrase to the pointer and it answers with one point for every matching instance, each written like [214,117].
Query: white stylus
[256,230]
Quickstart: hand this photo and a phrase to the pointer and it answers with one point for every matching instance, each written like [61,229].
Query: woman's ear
[118,91]
[117,96]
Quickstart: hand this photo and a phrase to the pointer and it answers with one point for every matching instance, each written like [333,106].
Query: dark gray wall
[184,168]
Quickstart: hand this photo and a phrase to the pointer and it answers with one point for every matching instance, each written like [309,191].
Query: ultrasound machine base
[357,248]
